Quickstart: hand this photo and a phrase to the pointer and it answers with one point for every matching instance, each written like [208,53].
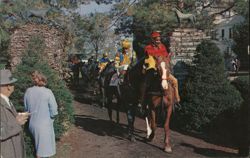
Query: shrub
[206,92]
[243,124]
[34,59]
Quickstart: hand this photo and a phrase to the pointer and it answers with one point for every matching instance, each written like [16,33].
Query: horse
[93,71]
[165,99]
[108,89]
[181,16]
[129,87]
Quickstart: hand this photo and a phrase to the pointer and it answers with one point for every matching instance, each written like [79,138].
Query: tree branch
[225,10]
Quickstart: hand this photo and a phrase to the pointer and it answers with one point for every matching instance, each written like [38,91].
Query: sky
[93,7]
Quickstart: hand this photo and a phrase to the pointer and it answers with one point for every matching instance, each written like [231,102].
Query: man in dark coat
[12,141]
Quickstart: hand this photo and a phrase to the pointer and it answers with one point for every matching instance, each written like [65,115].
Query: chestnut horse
[165,99]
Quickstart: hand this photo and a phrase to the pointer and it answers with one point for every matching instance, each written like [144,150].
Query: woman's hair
[38,78]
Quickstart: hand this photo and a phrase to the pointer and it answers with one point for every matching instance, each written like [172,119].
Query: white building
[223,30]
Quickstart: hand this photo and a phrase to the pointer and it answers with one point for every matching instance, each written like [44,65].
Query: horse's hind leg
[103,97]
[117,115]
[152,119]
[118,107]
[131,119]
[109,106]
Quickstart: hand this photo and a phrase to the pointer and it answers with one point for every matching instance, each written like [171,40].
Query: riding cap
[155,34]
[126,44]
[105,54]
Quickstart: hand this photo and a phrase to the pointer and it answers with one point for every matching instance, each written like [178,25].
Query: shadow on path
[102,127]
[209,152]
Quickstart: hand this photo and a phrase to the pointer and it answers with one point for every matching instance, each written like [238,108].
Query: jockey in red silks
[153,50]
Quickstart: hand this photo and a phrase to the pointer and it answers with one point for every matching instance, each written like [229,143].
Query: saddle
[155,87]
[153,63]
[114,81]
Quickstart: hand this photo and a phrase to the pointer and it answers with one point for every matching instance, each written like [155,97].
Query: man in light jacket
[11,136]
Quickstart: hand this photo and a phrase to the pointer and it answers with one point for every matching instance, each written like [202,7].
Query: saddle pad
[114,80]
[155,87]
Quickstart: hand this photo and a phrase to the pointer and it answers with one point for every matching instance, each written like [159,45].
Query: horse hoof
[168,150]
[132,138]
[151,137]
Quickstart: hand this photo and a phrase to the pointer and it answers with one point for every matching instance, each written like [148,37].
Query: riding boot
[174,82]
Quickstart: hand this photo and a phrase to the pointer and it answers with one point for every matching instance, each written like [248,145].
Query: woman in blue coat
[41,103]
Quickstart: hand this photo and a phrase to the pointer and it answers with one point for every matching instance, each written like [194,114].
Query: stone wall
[55,42]
[183,43]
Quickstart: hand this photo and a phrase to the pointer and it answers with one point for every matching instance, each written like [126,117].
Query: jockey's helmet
[155,34]
[126,44]
[105,55]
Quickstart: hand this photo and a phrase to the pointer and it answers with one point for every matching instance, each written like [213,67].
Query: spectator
[236,64]
[12,141]
[41,103]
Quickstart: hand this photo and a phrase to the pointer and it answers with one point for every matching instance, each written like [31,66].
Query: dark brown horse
[166,100]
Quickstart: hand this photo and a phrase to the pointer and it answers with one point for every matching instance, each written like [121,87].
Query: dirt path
[93,136]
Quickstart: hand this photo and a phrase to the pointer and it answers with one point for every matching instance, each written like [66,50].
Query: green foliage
[35,59]
[234,120]
[153,17]
[242,84]
[241,39]
[242,7]
[207,93]
[92,31]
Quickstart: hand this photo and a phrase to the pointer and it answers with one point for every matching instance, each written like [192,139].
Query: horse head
[109,68]
[133,74]
[163,67]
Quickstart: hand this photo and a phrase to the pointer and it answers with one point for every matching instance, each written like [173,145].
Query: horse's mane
[108,68]
[138,64]
[134,72]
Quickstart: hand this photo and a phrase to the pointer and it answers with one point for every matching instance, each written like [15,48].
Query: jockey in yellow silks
[103,62]
[127,55]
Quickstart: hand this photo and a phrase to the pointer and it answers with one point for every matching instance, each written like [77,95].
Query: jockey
[127,55]
[117,60]
[154,50]
[91,60]
[103,62]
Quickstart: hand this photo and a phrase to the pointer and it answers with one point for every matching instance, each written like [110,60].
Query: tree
[241,35]
[93,30]
[242,84]
[151,16]
[207,93]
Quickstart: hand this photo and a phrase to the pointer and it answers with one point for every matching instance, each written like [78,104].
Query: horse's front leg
[149,130]
[109,105]
[103,97]
[152,122]
[119,103]
[131,119]
[168,148]
[148,124]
